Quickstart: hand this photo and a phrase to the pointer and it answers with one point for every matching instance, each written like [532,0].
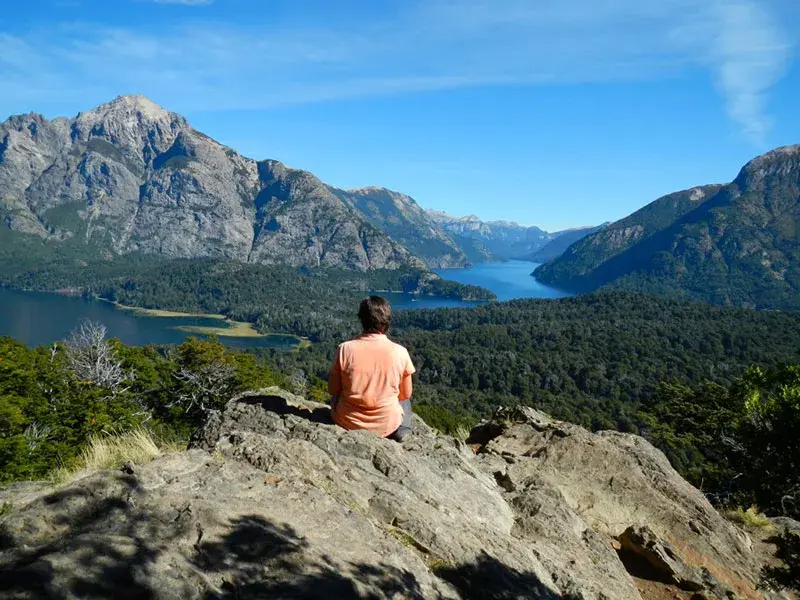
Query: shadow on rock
[489,579]
[311,411]
[105,551]
[259,559]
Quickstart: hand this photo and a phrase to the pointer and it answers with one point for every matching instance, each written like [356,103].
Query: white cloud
[751,54]
[427,45]
[747,51]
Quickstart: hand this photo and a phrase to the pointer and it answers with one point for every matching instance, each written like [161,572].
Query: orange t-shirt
[366,376]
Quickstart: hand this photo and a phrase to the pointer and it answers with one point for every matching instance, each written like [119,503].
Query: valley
[145,326]
[585,217]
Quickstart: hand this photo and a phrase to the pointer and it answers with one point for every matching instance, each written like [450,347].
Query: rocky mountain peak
[132,123]
[779,163]
[130,176]
[274,501]
[130,106]
[370,189]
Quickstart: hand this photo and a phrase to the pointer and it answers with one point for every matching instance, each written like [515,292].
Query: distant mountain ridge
[560,242]
[501,240]
[405,221]
[729,244]
[132,177]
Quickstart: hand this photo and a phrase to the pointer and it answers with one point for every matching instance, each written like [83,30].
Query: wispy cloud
[425,45]
[184,2]
[747,51]
[751,54]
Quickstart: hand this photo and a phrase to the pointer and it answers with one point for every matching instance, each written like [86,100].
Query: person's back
[370,377]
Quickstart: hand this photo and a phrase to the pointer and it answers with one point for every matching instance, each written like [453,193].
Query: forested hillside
[590,359]
[737,244]
[685,375]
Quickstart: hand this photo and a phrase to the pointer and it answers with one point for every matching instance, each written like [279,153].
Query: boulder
[615,481]
[273,500]
[786,524]
[641,549]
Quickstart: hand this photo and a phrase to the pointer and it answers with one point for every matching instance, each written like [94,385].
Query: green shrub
[750,518]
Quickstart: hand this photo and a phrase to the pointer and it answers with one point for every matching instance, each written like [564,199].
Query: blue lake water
[38,319]
[509,281]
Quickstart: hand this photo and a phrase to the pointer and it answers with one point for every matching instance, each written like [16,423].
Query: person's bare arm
[406,388]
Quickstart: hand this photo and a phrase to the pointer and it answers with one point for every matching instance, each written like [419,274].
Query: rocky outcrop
[130,176]
[272,500]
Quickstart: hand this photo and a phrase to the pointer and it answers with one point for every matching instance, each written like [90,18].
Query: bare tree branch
[204,389]
[93,360]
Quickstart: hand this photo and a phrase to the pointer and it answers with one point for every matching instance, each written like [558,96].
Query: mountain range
[131,177]
[504,240]
[729,244]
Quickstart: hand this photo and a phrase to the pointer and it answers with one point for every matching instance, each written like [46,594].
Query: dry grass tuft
[462,433]
[137,446]
[750,518]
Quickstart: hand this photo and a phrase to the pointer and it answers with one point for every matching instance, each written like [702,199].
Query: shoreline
[167,314]
[234,329]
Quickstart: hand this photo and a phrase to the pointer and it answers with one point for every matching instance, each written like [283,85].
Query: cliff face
[130,176]
[407,222]
[274,501]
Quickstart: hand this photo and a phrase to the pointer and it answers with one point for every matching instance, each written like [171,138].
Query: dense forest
[312,303]
[688,376]
[591,359]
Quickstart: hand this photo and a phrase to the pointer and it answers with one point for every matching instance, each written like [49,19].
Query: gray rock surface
[786,523]
[407,222]
[659,559]
[275,501]
[130,176]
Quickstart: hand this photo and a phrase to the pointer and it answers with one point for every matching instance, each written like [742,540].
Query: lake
[38,319]
[509,281]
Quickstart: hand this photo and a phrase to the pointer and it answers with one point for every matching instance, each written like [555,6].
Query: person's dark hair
[375,314]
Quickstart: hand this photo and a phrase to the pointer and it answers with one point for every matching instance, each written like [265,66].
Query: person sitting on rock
[370,378]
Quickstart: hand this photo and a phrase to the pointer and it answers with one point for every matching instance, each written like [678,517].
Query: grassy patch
[137,446]
[5,508]
[171,314]
[235,329]
[750,518]
[408,540]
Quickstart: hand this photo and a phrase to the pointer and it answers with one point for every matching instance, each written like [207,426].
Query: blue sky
[553,113]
